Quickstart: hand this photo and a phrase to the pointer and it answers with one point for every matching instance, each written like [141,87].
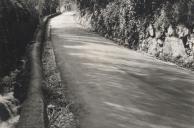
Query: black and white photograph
[96,63]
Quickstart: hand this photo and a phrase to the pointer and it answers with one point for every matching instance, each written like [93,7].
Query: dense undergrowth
[163,28]
[18,23]
[19,20]
[17,27]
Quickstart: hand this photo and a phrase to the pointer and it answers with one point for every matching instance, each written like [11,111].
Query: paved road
[118,87]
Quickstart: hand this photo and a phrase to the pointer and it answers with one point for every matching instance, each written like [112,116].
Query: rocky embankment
[175,45]
[165,32]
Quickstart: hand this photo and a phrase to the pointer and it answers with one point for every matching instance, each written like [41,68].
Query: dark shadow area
[17,27]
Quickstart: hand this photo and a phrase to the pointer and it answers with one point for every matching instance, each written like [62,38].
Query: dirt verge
[57,102]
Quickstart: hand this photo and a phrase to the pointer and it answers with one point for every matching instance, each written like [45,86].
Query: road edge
[33,108]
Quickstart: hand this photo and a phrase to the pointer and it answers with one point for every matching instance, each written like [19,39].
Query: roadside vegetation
[60,107]
[162,28]
[19,20]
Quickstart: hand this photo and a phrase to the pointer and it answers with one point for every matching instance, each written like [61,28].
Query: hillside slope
[162,28]
[17,25]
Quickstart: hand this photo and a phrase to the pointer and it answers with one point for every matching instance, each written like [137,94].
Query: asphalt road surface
[118,87]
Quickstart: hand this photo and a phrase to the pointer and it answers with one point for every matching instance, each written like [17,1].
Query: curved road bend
[118,87]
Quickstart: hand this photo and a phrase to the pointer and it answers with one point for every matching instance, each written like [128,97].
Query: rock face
[153,46]
[173,47]
[158,34]
[190,42]
[170,31]
[182,31]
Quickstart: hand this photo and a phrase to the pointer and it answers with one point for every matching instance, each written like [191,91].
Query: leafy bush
[17,28]
[50,6]
[138,23]
[128,19]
